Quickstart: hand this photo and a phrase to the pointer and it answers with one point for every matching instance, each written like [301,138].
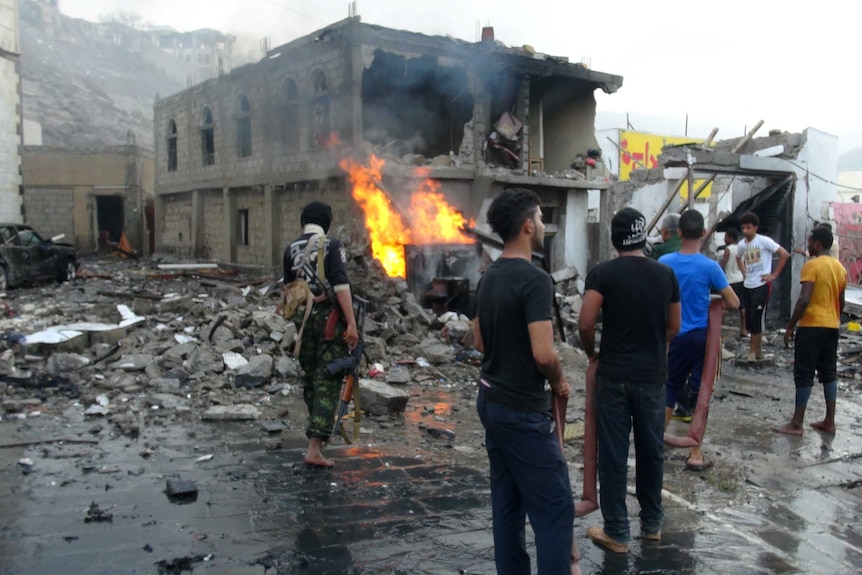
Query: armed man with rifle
[329,331]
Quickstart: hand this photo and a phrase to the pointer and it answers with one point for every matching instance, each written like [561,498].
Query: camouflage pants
[319,389]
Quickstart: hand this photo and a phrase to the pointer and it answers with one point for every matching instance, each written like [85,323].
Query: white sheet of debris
[62,333]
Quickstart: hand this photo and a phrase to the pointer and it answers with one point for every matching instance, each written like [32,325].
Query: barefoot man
[818,314]
[330,331]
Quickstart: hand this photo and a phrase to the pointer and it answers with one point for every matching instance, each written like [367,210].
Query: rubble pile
[132,344]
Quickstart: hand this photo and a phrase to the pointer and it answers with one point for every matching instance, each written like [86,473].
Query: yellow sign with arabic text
[639,150]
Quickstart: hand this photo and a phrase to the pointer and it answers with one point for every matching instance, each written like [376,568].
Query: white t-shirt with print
[757,258]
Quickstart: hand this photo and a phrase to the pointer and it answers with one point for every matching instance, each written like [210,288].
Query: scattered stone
[272,426]
[378,398]
[166,385]
[184,488]
[287,367]
[97,515]
[233,360]
[65,363]
[241,412]
[168,401]
[436,351]
[134,362]
[398,374]
[255,373]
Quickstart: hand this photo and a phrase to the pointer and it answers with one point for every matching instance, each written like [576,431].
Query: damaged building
[239,155]
[10,113]
[107,191]
[787,179]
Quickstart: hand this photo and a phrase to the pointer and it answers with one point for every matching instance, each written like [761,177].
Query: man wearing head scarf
[639,301]
[330,330]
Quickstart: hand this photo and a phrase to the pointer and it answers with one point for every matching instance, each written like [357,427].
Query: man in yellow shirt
[818,313]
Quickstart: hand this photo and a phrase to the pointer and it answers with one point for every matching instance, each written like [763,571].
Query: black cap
[317,213]
[628,230]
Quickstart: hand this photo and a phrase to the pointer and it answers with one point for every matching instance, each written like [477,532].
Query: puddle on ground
[400,502]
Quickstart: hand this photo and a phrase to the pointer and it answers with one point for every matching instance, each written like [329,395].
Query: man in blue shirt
[698,276]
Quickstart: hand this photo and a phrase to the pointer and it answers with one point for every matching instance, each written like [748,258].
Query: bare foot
[789,429]
[576,567]
[824,427]
[318,461]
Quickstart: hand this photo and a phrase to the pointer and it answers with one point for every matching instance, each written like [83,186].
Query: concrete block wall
[262,84]
[176,233]
[49,210]
[255,252]
[213,237]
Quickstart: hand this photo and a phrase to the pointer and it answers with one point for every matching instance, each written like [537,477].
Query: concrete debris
[231,413]
[255,373]
[399,374]
[378,398]
[204,346]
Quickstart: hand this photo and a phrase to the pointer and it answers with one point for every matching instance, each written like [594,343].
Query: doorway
[110,219]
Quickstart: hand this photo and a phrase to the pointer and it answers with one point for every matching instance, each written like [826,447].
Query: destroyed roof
[522,59]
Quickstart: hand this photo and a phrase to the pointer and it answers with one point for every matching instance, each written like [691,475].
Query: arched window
[207,137]
[243,127]
[172,146]
[289,112]
[319,109]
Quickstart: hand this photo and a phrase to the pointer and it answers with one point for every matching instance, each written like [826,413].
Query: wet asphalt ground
[403,501]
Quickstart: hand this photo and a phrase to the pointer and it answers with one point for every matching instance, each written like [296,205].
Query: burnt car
[25,257]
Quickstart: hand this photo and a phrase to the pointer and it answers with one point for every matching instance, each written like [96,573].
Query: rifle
[350,366]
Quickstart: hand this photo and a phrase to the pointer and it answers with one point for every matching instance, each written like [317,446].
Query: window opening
[243,127]
[172,146]
[208,138]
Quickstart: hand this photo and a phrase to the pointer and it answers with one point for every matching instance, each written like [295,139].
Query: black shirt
[334,263]
[636,292]
[513,293]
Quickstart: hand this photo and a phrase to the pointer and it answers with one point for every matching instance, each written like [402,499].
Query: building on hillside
[237,156]
[208,51]
[10,113]
[106,191]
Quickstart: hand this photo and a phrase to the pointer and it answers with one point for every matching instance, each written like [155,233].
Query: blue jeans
[529,477]
[685,361]
[621,407]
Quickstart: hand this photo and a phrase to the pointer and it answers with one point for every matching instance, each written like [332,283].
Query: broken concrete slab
[435,351]
[378,398]
[287,367]
[64,363]
[255,373]
[133,362]
[204,359]
[233,360]
[240,412]
[398,374]
[166,385]
[168,401]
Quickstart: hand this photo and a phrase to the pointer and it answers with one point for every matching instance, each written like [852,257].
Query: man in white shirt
[755,260]
[733,272]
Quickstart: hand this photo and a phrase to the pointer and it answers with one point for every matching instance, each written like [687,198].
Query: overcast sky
[727,64]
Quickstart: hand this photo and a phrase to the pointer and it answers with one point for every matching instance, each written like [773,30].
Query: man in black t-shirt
[639,301]
[529,475]
[327,334]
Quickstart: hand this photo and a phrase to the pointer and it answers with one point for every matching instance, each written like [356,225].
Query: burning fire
[431,218]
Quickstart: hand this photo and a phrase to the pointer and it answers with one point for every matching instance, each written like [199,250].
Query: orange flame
[331,141]
[432,219]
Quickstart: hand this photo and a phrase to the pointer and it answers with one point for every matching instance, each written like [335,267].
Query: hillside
[87,88]
[851,160]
